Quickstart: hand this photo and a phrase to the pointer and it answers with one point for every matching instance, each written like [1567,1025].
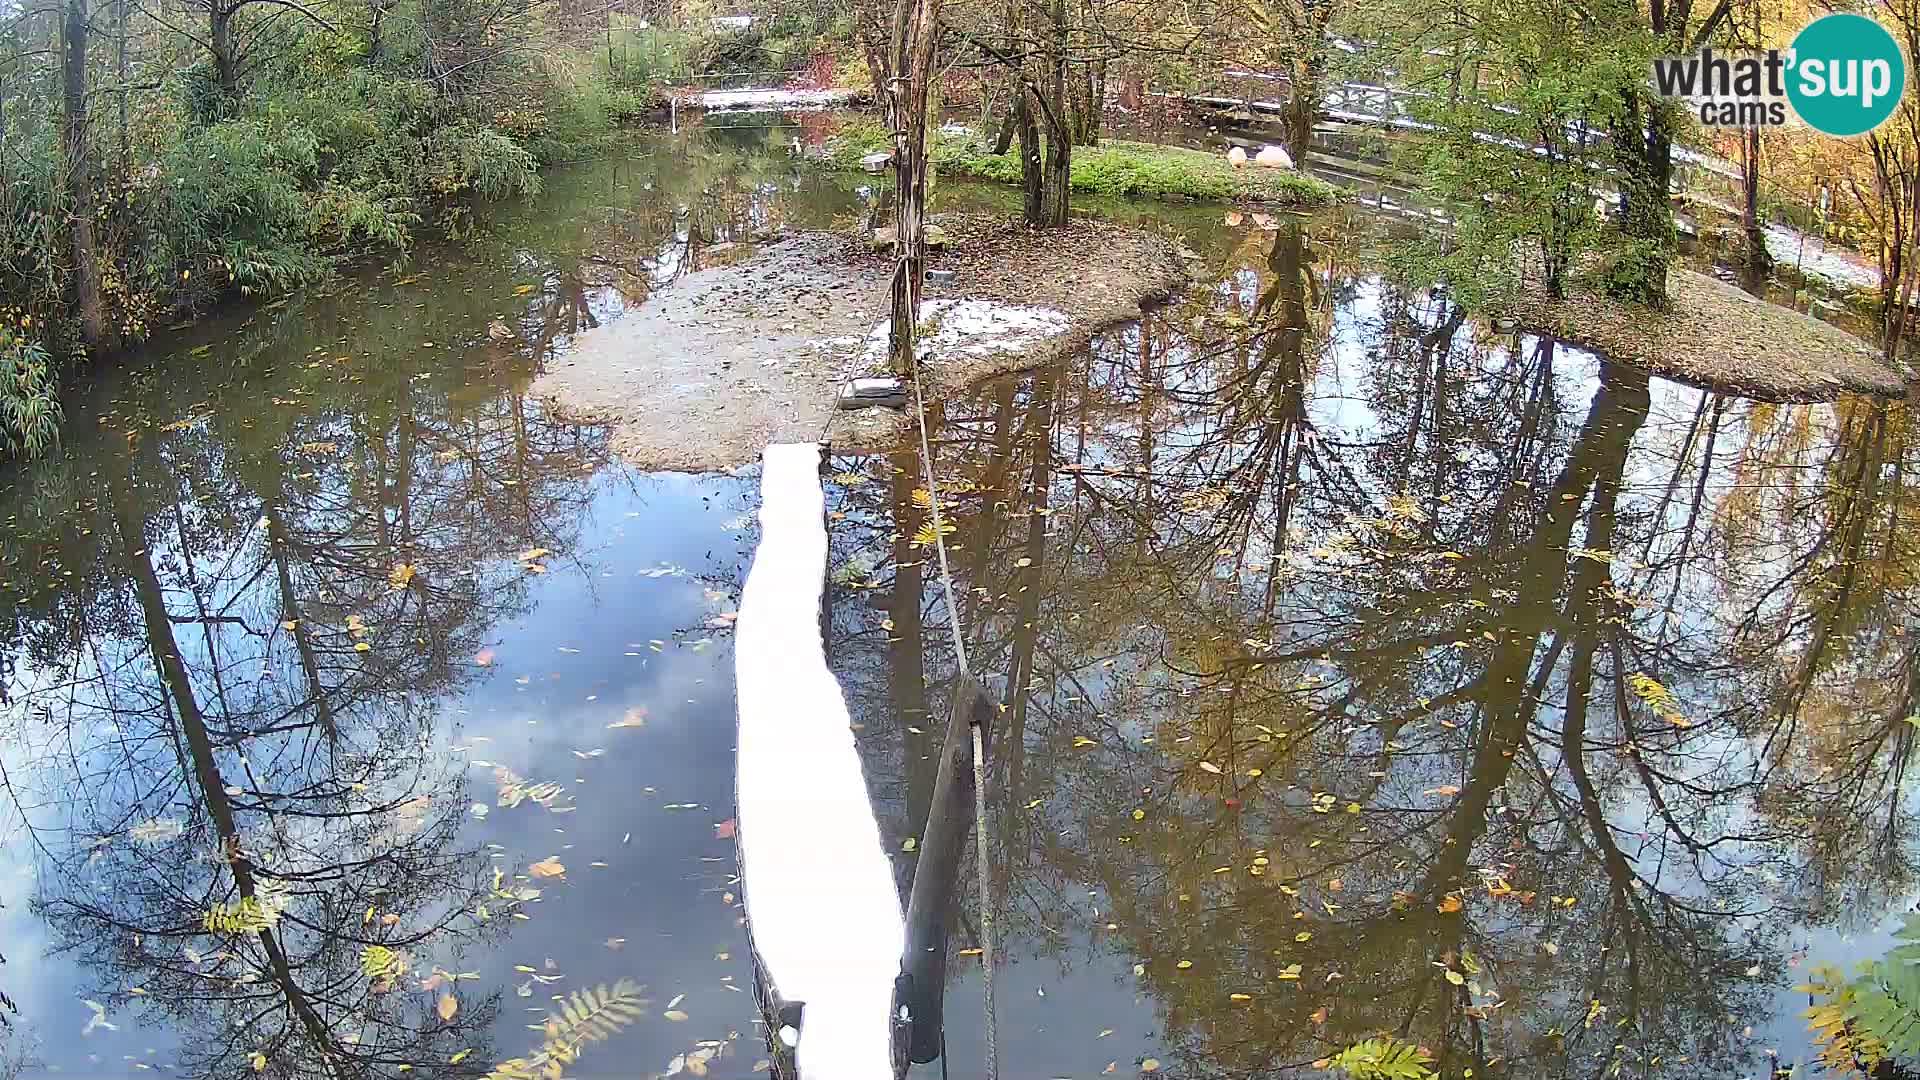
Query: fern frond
[246,916]
[1383,1059]
[586,1016]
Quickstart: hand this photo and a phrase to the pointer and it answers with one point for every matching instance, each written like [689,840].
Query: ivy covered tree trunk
[87,300]
[1643,144]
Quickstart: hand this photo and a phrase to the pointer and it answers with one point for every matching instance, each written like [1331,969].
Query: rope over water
[979,739]
[984,886]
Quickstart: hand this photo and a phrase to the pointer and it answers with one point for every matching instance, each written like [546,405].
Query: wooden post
[923,970]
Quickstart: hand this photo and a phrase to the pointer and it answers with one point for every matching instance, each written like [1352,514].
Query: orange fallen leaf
[724,830]
[448,1006]
[547,868]
[1449,904]
[484,657]
[1319,1015]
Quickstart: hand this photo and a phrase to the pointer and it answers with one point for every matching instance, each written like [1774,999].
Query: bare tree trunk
[1030,175]
[1759,261]
[1057,179]
[226,65]
[915,23]
[79,155]
[120,74]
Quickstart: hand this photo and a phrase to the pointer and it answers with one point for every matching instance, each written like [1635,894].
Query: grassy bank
[1115,167]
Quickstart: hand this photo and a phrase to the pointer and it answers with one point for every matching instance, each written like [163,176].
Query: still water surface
[358,714]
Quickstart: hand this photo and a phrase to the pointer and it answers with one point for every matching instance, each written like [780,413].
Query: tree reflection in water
[1368,672]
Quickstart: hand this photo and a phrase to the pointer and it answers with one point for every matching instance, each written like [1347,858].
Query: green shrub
[29,405]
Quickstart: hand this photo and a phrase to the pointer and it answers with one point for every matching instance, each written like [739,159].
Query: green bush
[340,143]
[29,405]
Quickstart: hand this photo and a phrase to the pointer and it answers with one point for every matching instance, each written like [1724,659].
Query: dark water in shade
[1316,611]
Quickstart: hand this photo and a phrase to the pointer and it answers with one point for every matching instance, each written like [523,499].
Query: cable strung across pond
[974,724]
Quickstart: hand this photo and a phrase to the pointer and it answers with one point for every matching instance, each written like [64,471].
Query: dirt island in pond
[1713,334]
[706,374]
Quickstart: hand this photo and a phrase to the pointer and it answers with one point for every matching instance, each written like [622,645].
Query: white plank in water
[819,889]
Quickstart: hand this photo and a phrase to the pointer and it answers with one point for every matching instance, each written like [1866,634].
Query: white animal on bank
[1237,158]
[1272,157]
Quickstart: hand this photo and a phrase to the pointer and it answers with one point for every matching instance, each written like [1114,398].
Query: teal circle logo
[1846,74]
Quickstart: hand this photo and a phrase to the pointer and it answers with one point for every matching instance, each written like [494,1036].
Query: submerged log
[919,996]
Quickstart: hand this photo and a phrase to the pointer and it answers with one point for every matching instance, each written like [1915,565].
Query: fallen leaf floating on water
[448,1006]
[533,553]
[1150,1065]
[632,718]
[401,575]
[547,868]
[484,657]
[1208,766]
[259,1062]
[674,1015]
[1449,904]
[724,830]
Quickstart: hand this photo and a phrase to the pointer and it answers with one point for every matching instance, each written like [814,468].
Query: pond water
[1362,670]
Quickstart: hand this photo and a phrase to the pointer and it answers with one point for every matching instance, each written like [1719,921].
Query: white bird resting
[822,910]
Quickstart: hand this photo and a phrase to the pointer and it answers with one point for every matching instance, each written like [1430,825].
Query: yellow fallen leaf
[401,575]
[448,1006]
[259,1061]
[1184,965]
[1150,1065]
[1239,997]
[1449,904]
[459,1057]
[674,1015]
[533,553]
[547,868]
[1208,766]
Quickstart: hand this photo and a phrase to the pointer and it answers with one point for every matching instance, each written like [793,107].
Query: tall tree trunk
[1759,261]
[1030,173]
[1303,102]
[79,162]
[1056,180]
[1644,146]
[120,75]
[915,24]
[226,65]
